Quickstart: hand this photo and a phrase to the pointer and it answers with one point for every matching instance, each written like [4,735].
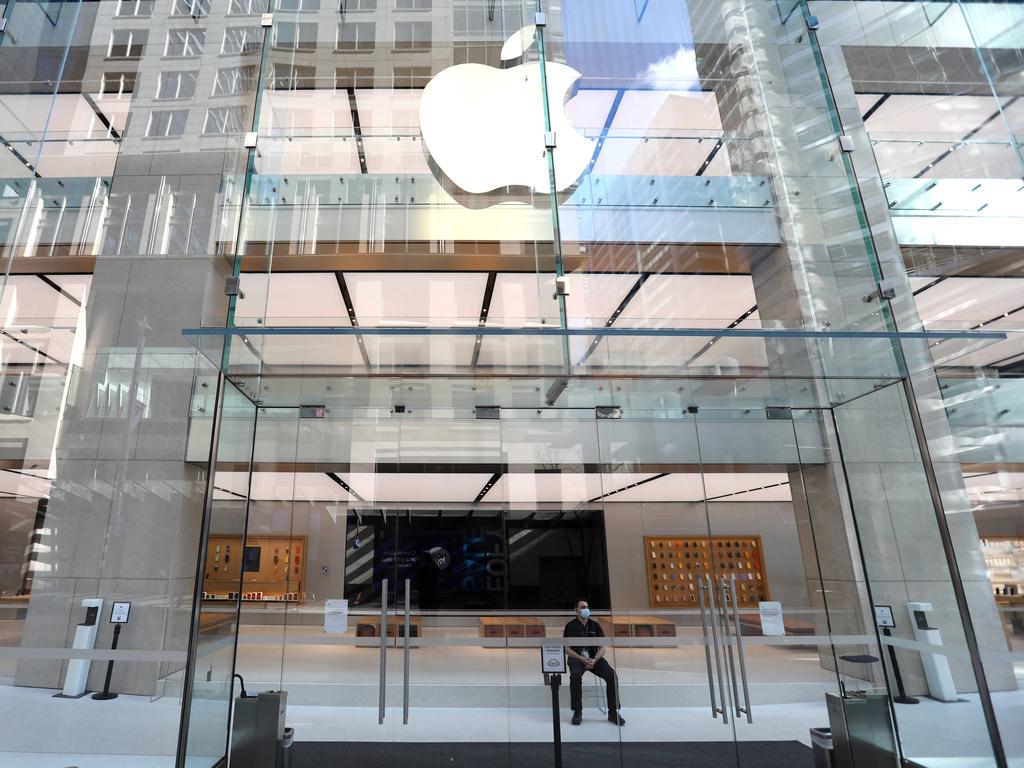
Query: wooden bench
[370,627]
[511,626]
[637,626]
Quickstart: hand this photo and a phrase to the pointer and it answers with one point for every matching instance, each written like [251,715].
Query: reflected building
[354,342]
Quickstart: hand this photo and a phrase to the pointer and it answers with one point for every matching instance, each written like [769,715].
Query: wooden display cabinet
[281,574]
[675,565]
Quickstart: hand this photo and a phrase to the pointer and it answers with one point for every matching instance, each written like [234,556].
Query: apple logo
[483,127]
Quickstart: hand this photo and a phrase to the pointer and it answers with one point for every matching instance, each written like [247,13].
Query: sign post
[885,621]
[118,617]
[552,664]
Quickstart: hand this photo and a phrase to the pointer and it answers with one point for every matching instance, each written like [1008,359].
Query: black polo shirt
[577,628]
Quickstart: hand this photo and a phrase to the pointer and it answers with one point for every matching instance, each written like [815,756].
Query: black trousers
[603,670]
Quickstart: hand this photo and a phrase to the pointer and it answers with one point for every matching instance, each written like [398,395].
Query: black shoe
[616,719]
[577,718]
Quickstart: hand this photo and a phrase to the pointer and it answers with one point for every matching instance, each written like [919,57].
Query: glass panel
[226,561]
[895,519]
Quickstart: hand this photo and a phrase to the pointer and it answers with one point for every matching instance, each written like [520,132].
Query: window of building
[412,5]
[241,40]
[298,5]
[353,77]
[176,85]
[141,8]
[166,123]
[221,120]
[117,83]
[356,36]
[127,43]
[411,77]
[295,36]
[194,8]
[293,77]
[357,5]
[185,42]
[246,7]
[412,36]
[234,80]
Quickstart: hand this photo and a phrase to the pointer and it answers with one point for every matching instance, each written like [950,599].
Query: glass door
[209,685]
[665,624]
[764,588]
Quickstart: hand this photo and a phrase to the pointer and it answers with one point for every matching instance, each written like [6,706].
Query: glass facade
[355,342]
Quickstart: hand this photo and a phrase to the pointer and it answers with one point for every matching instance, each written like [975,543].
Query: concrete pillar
[124,516]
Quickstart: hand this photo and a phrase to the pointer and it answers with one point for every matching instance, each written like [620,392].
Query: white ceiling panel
[416,487]
[588,110]
[386,112]
[563,488]
[689,301]
[658,112]
[76,285]
[292,299]
[417,298]
[960,302]
[324,113]
[23,483]
[28,301]
[280,486]
[308,154]
[401,156]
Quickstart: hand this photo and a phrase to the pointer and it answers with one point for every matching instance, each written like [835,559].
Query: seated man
[589,658]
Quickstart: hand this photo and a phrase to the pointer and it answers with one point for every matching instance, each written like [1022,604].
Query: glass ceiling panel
[666,367]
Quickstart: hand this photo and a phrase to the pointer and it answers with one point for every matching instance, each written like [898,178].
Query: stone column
[125,511]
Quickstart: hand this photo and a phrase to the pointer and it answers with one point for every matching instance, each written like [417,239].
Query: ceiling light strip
[485,307]
[59,290]
[350,308]
[627,487]
[345,486]
[633,291]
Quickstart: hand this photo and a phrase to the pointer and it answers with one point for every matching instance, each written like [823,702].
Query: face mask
[584,613]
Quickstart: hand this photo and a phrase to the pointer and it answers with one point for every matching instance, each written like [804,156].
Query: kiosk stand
[936,666]
[118,617]
[85,640]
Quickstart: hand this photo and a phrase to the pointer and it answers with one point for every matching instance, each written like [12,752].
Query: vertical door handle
[718,659]
[405,671]
[730,664]
[382,696]
[707,648]
[739,650]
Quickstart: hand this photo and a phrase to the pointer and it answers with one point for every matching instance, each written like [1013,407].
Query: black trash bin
[284,748]
[821,746]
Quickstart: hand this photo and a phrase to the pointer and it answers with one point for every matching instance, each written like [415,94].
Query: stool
[600,694]
[859,658]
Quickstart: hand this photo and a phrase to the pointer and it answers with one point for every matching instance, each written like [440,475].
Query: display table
[511,626]
[370,627]
[637,626]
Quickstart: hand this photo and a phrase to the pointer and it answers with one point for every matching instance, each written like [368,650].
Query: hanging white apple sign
[484,127]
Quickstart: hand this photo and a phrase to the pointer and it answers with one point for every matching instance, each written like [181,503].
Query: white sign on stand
[335,616]
[119,613]
[552,659]
[884,617]
[771,618]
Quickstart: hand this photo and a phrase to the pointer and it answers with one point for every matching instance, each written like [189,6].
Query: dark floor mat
[694,754]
